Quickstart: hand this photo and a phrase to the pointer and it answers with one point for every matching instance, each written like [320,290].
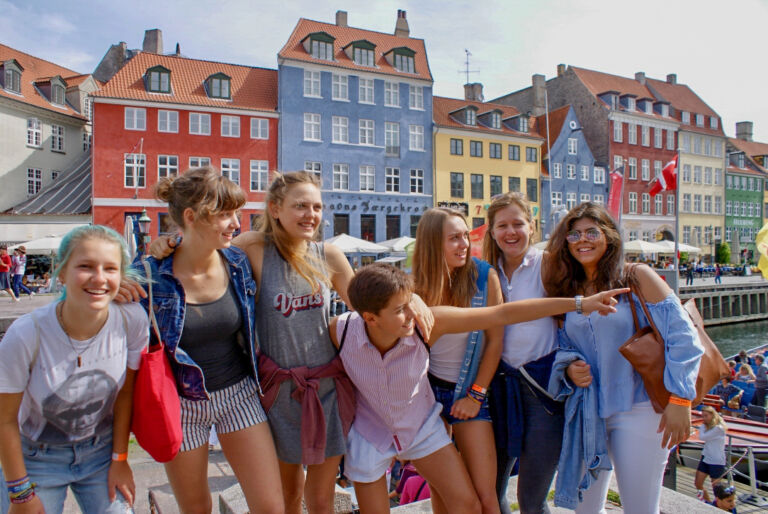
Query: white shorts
[364,463]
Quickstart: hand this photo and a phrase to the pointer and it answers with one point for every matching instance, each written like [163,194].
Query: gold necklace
[87,342]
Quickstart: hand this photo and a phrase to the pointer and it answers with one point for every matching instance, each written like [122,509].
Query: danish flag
[667,181]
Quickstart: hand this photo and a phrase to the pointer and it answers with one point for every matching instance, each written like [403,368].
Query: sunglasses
[591,234]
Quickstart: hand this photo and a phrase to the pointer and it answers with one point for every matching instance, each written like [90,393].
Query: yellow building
[482,150]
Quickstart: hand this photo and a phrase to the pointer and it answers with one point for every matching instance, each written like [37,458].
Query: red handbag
[156,420]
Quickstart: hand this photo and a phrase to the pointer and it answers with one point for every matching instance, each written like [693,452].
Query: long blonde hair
[716,418]
[434,282]
[309,267]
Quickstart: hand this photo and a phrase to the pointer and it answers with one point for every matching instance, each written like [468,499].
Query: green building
[744,186]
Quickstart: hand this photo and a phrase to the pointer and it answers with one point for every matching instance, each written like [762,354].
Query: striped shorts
[230,409]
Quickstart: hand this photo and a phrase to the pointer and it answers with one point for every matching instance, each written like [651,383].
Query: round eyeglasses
[591,234]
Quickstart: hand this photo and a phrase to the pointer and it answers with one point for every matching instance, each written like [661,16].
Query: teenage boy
[387,361]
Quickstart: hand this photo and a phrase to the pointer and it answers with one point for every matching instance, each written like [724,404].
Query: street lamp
[144,222]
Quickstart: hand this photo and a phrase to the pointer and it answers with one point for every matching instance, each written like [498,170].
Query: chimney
[341,19]
[153,41]
[640,77]
[178,49]
[473,92]
[401,27]
[560,70]
[539,93]
[672,78]
[744,130]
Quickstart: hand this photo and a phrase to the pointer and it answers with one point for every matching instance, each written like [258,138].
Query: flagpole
[677,222]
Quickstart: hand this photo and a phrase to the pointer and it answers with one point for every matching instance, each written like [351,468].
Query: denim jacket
[169,306]
[584,435]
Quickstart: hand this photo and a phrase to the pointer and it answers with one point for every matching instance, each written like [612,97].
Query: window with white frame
[584,197]
[199,124]
[656,168]
[392,138]
[88,108]
[670,140]
[12,80]
[708,175]
[646,203]
[645,169]
[632,172]
[365,91]
[230,168]
[751,184]
[392,180]
[670,205]
[339,87]
[713,123]
[367,178]
[598,198]
[647,235]
[470,117]
[340,125]
[494,150]
[599,175]
[34,181]
[404,63]
[557,170]
[311,127]
[167,166]
[86,141]
[697,174]
[57,138]
[416,97]
[135,118]
[522,122]
[584,172]
[570,171]
[696,204]
[367,131]
[199,162]
[573,146]
[341,177]
[686,234]
[630,104]
[699,120]
[686,117]
[570,200]
[259,128]
[312,83]
[718,233]
[707,204]
[743,208]
[646,135]
[230,126]
[632,202]
[57,94]
[659,204]
[697,144]
[321,49]
[416,137]
[728,208]
[618,161]
[259,175]
[167,121]
[618,131]
[363,56]
[55,174]
[718,205]
[134,170]
[686,202]
[707,146]
[665,110]
[314,167]
[556,198]
[632,133]
[718,148]
[417,181]
[392,94]
[686,173]
[657,137]
[495,120]
[685,143]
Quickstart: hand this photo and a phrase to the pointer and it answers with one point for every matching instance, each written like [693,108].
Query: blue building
[569,175]
[356,108]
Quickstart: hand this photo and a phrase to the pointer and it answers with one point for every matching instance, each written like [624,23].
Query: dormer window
[630,104]
[740,160]
[12,80]
[522,123]
[470,116]
[402,59]
[158,80]
[647,107]
[319,45]
[496,120]
[713,123]
[218,86]
[699,120]
[664,108]
[686,117]
[57,94]
[363,53]
[614,101]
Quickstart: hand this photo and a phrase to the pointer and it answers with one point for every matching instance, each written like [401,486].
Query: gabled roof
[443,107]
[250,88]
[35,70]
[751,149]
[556,121]
[69,194]
[682,98]
[293,49]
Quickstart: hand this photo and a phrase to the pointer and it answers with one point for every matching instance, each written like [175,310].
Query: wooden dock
[685,486]
[734,301]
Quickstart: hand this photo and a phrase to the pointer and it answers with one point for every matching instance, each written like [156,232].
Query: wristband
[474,399]
[481,390]
[119,457]
[578,299]
[676,400]
[24,499]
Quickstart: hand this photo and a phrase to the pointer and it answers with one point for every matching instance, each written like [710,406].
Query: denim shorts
[715,471]
[444,395]
[82,466]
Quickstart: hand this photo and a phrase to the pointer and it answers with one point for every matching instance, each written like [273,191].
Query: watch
[578,299]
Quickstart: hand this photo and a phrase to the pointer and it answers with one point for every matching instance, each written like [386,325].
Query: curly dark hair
[563,275]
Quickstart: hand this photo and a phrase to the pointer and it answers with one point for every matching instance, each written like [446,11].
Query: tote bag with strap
[156,420]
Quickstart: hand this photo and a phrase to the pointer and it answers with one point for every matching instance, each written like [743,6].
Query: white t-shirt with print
[62,402]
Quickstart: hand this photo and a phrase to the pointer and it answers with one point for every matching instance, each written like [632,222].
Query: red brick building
[162,114]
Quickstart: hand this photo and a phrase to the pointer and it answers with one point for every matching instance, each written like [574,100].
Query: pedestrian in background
[712,463]
[5,273]
[19,265]
[718,274]
[761,380]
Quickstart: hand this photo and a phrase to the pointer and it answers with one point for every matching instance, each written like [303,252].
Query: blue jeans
[82,466]
[542,439]
[19,286]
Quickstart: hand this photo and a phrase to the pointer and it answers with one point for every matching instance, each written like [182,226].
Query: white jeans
[638,460]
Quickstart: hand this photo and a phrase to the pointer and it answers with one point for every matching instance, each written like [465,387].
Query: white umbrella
[349,244]
[640,246]
[130,236]
[42,246]
[669,247]
[541,245]
[397,244]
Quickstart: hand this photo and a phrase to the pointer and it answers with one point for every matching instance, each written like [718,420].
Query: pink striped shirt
[393,394]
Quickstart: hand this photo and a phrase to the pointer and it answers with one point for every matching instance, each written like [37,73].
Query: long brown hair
[491,250]
[309,267]
[563,275]
[434,282]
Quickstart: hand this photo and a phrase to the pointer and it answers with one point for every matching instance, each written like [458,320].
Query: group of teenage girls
[246,323]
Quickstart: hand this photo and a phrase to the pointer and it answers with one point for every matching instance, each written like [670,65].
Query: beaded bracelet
[17,486]
[474,399]
[24,499]
[477,396]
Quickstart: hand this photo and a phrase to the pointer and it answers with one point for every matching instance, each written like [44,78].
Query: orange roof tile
[76,80]
[35,70]
[752,149]
[443,107]
[294,49]
[251,88]
[745,171]
[682,98]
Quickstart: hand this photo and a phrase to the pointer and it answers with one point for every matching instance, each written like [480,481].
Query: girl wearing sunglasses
[586,256]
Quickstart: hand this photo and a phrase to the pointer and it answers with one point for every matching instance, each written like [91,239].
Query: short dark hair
[374,285]
[723,491]
[758,356]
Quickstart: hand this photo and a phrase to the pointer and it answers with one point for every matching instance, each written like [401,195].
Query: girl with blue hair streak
[66,385]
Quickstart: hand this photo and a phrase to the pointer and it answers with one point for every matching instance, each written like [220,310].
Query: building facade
[356,108]
[569,175]
[483,150]
[755,152]
[162,114]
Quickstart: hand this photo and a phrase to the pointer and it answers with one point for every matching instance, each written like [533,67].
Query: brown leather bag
[645,351]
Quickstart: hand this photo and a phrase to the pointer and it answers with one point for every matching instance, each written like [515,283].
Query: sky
[718,48]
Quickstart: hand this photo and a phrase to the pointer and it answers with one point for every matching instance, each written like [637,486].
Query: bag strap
[148,271]
[344,331]
[421,488]
[635,289]
[36,351]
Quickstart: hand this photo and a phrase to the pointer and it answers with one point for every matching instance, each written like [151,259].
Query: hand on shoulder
[246,239]
[652,286]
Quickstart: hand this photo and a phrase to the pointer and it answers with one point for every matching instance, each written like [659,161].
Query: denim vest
[474,350]
[169,306]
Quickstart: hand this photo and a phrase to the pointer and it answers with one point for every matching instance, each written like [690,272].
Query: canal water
[739,336]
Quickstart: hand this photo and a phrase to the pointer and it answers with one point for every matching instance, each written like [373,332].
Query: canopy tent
[392,259]
[669,247]
[541,245]
[43,246]
[349,244]
[397,244]
[640,246]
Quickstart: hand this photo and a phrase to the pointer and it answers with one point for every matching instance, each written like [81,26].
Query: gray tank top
[291,320]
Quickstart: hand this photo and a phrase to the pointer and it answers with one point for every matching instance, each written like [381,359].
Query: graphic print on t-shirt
[80,408]
[287,303]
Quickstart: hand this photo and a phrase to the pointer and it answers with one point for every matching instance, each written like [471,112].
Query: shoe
[16,299]
[31,295]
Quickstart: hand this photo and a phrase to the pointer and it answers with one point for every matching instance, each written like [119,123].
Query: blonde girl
[712,463]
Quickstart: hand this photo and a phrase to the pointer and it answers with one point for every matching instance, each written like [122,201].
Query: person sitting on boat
[743,358]
[761,381]
[712,463]
[732,365]
[745,374]
[729,393]
[725,497]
